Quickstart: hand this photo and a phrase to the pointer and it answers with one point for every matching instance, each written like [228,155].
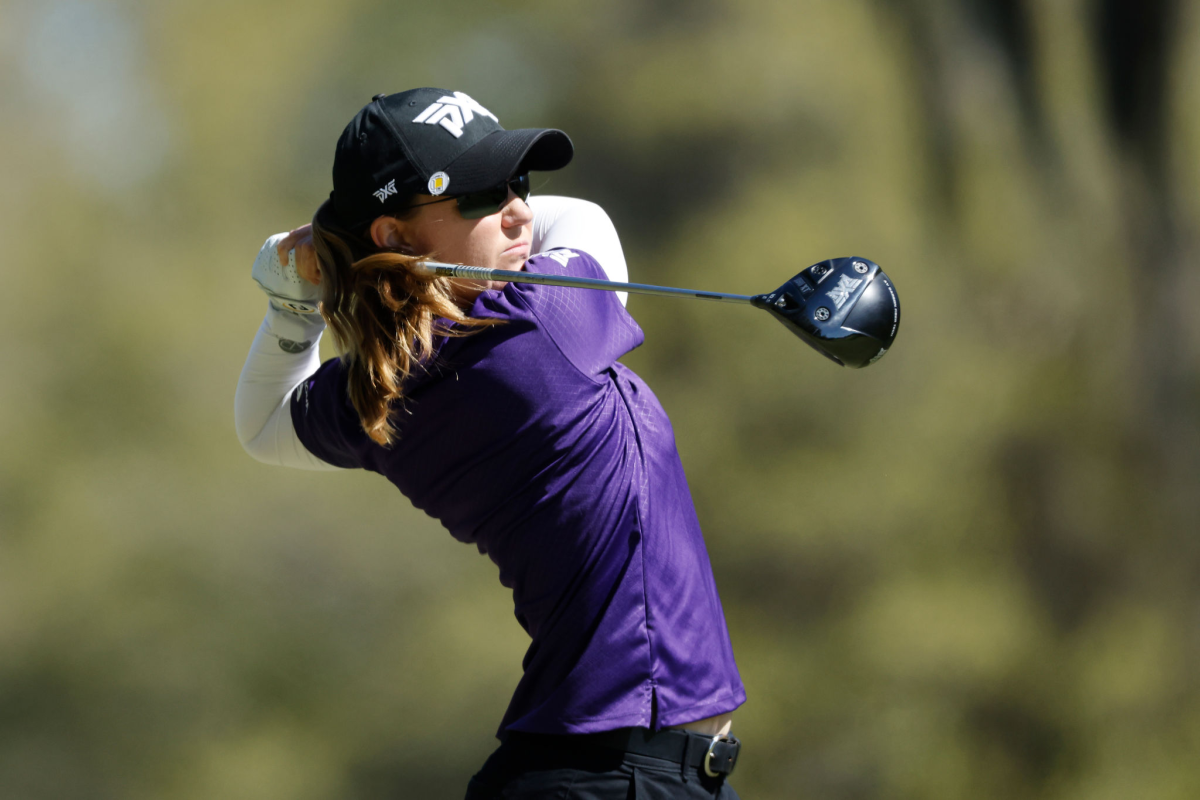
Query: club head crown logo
[841,293]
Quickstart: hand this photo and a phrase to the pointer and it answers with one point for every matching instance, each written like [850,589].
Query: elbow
[251,442]
[245,435]
[247,425]
[259,448]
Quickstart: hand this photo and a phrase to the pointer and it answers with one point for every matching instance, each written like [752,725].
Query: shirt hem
[681,716]
[589,725]
[678,716]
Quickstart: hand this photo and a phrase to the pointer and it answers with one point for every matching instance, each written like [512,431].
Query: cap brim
[502,154]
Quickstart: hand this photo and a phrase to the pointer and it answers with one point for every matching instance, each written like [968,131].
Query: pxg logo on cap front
[453,113]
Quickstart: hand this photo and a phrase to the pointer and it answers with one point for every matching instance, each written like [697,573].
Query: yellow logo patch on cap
[438,182]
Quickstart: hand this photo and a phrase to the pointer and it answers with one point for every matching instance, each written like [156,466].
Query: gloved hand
[281,282]
[293,316]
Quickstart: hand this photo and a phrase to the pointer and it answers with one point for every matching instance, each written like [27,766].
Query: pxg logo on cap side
[384,192]
[453,113]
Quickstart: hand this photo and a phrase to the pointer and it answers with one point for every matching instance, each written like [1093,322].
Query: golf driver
[844,308]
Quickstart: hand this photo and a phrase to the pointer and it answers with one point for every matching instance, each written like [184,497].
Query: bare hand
[307,264]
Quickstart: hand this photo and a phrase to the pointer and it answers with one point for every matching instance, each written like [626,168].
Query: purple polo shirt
[531,441]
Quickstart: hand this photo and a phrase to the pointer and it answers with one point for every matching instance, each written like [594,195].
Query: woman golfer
[501,410]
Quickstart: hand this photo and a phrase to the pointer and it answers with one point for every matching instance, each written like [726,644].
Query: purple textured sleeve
[324,418]
[589,326]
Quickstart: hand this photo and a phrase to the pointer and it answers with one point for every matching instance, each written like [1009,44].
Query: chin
[512,261]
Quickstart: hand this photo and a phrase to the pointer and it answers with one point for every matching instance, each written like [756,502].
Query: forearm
[262,404]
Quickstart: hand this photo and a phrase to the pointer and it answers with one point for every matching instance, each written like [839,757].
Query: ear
[388,233]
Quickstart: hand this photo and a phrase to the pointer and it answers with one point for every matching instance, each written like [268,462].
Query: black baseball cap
[431,141]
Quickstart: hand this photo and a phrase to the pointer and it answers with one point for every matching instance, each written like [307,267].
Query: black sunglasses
[475,205]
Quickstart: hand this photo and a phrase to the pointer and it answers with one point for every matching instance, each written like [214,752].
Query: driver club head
[844,308]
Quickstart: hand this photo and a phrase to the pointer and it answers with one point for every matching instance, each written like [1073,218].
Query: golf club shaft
[484,274]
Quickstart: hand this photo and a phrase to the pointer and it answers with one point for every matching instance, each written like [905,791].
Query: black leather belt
[713,755]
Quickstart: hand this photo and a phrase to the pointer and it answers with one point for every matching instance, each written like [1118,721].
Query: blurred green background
[972,570]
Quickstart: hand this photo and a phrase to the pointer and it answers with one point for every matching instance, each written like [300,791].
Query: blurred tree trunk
[1135,45]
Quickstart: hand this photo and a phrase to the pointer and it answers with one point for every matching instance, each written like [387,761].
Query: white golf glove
[293,316]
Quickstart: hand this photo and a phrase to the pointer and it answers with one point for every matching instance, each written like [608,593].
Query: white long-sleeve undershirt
[262,410]
[579,224]
[262,403]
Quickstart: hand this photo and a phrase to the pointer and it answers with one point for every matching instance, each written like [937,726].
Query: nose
[516,211]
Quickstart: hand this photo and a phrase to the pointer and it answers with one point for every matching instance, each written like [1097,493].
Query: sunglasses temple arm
[435,268]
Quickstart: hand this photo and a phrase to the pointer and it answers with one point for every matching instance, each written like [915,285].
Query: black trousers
[523,769]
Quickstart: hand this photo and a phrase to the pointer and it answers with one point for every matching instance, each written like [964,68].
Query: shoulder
[520,300]
[568,262]
[589,326]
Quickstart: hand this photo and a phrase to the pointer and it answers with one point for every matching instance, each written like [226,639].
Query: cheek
[481,240]
[444,234]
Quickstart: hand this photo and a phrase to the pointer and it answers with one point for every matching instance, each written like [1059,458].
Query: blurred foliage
[969,571]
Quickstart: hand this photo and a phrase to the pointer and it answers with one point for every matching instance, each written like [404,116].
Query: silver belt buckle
[720,737]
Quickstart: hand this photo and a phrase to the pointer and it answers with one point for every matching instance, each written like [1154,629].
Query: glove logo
[841,293]
[453,113]
[384,192]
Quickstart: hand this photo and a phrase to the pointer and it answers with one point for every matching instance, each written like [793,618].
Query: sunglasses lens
[520,186]
[480,204]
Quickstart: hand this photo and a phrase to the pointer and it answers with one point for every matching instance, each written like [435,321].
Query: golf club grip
[484,274]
